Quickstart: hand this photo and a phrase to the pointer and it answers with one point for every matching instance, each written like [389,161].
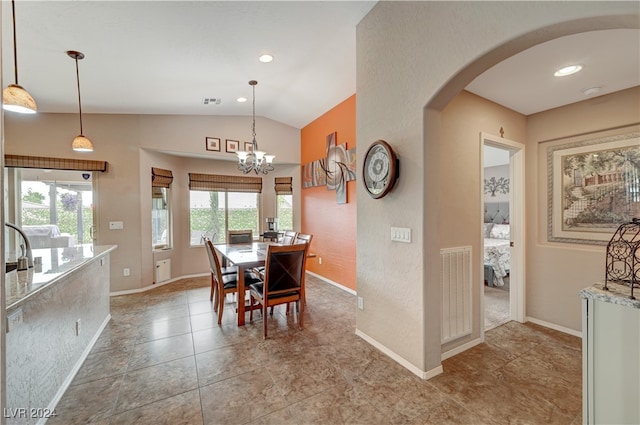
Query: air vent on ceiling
[212,101]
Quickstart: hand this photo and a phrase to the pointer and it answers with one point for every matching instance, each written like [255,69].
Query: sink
[11,267]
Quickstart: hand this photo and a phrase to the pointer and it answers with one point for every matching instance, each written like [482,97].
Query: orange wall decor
[332,225]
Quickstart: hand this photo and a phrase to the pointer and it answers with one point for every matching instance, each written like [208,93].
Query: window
[284,211]
[284,202]
[161,218]
[161,208]
[213,213]
[54,207]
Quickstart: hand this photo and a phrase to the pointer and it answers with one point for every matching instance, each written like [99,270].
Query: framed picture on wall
[248,146]
[212,144]
[232,146]
[593,187]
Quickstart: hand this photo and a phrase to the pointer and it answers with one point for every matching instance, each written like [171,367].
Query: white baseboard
[331,282]
[156,285]
[554,326]
[460,349]
[65,385]
[404,363]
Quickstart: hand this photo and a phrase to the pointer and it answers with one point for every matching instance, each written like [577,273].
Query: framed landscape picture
[593,187]
[232,146]
[212,144]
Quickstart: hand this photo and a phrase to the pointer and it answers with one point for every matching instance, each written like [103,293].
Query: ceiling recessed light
[241,99]
[265,58]
[568,70]
[591,90]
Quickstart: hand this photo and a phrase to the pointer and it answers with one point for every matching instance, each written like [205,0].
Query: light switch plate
[116,225]
[401,234]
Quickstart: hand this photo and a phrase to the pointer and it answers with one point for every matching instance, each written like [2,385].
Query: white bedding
[497,253]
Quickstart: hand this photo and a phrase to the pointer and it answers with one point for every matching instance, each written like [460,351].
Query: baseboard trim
[331,282]
[553,326]
[403,362]
[65,385]
[459,349]
[156,285]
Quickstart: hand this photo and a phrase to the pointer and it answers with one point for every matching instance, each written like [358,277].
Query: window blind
[284,185]
[24,161]
[220,183]
[161,177]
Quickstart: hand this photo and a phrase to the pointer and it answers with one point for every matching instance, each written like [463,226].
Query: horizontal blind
[284,186]
[24,161]
[161,177]
[220,183]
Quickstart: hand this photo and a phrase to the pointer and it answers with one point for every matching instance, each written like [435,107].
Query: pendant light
[80,143]
[15,98]
[254,160]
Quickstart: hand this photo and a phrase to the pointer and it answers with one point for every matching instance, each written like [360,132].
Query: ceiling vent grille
[212,101]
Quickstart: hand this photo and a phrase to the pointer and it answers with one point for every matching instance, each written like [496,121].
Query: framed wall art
[593,186]
[232,146]
[212,144]
[248,146]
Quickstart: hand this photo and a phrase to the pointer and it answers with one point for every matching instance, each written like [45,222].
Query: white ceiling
[162,57]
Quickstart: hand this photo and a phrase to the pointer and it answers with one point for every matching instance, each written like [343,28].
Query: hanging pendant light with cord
[255,160]
[14,97]
[80,143]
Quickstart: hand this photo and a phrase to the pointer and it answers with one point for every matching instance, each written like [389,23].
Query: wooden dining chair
[284,277]
[302,238]
[223,284]
[223,270]
[239,236]
[288,237]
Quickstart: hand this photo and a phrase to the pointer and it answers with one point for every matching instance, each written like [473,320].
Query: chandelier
[255,159]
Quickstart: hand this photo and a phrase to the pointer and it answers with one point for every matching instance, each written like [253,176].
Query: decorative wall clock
[380,170]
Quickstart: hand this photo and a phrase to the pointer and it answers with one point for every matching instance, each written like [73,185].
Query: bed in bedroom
[497,250]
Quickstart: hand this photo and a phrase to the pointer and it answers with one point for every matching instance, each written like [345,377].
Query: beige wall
[557,271]
[461,192]
[130,143]
[416,55]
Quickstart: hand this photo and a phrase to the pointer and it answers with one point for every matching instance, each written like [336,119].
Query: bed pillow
[487,229]
[499,231]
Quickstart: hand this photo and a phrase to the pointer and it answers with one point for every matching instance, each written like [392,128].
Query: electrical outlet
[77,327]
[361,303]
[319,260]
[126,271]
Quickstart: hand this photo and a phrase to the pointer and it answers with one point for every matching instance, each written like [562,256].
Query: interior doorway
[502,213]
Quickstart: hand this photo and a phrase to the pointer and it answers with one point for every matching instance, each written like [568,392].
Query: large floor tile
[151,384]
[182,409]
[160,351]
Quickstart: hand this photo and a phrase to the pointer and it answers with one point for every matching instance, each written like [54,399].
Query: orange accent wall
[333,226]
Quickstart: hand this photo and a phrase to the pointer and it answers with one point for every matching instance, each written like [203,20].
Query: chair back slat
[239,236]
[303,238]
[289,237]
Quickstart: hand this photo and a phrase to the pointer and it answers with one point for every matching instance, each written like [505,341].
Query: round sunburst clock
[380,170]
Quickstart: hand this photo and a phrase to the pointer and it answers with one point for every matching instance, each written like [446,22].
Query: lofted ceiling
[164,57]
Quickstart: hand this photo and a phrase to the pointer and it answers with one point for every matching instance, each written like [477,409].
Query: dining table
[245,257]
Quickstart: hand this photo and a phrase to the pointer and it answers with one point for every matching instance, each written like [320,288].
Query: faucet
[26,241]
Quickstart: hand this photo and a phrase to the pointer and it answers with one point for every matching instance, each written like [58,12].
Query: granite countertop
[57,263]
[617,294]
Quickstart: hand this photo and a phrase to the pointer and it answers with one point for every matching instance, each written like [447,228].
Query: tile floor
[164,360]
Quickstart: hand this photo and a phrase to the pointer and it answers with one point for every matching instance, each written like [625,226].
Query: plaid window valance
[220,183]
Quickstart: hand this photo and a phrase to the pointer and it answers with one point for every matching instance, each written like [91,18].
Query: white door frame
[516,221]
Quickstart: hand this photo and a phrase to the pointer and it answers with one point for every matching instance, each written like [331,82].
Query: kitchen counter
[56,312]
[610,353]
[57,264]
[617,294]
